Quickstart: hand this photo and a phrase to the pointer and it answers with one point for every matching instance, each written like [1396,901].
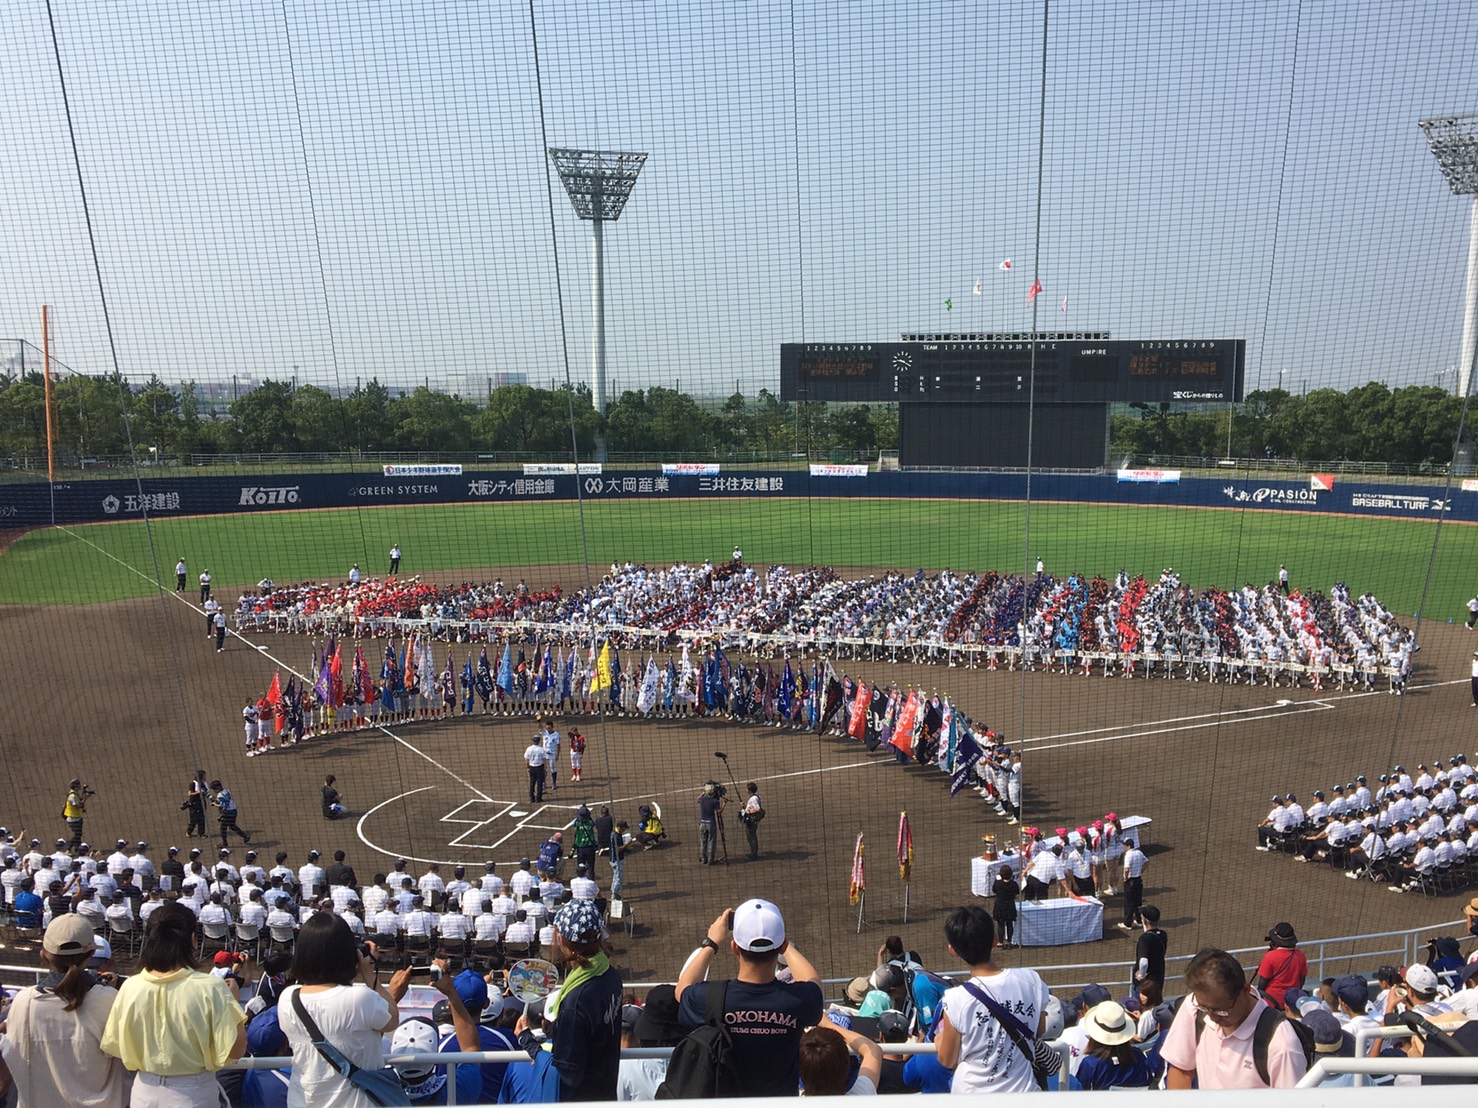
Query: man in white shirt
[453,925]
[520,930]
[404,898]
[252,871]
[582,887]
[117,861]
[534,757]
[431,885]
[491,882]
[223,862]
[214,912]
[204,586]
[1046,869]
[350,916]
[1134,863]
[487,927]
[458,884]
[501,905]
[280,916]
[10,880]
[150,906]
[253,913]
[376,896]
[550,890]
[473,901]
[141,864]
[551,740]
[523,882]
[1465,1000]
[119,913]
[417,922]
[311,879]
[101,883]
[385,925]
[342,896]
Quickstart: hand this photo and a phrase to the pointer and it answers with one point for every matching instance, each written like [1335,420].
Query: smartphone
[729,919]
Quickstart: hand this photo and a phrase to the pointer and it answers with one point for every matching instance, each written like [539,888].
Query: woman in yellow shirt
[172,1025]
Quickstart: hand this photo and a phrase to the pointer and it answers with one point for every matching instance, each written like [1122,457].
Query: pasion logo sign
[1271,494]
[257,496]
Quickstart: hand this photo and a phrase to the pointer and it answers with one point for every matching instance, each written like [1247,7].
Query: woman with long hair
[172,1025]
[56,1027]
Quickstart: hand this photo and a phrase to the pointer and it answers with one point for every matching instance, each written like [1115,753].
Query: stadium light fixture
[1453,140]
[598,182]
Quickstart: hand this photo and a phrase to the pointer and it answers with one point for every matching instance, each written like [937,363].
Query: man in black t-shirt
[1149,951]
[765,1017]
[341,872]
[333,805]
[710,811]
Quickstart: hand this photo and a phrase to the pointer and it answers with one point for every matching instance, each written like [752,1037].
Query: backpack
[1262,1038]
[702,1065]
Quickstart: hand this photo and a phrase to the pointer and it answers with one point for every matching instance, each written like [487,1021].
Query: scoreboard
[1069,370]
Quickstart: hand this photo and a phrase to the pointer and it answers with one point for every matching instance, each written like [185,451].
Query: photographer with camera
[710,812]
[74,808]
[750,815]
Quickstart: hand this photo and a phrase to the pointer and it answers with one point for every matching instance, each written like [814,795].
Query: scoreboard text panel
[1066,371]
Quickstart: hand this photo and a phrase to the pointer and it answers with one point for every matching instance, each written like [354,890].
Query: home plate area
[488,824]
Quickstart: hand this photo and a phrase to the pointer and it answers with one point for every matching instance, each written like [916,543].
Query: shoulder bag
[1043,1059]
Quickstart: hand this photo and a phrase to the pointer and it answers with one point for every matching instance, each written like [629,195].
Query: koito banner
[838,471]
[1150,476]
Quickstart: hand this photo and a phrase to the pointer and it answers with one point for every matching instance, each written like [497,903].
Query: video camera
[83,790]
[713,787]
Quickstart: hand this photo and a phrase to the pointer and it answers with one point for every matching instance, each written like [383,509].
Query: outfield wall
[40,503]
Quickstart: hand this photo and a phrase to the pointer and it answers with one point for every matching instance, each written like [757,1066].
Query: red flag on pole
[1005,265]
[903,729]
[274,702]
[859,873]
[905,848]
[857,727]
[1034,291]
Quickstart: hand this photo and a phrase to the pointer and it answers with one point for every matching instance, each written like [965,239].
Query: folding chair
[123,938]
[281,940]
[417,947]
[214,937]
[248,939]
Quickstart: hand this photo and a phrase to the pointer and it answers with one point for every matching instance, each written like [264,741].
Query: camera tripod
[734,786]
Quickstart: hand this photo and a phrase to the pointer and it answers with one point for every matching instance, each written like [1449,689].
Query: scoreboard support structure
[964,400]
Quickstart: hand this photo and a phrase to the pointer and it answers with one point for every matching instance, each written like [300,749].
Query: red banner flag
[1033,292]
[274,703]
[903,731]
[857,726]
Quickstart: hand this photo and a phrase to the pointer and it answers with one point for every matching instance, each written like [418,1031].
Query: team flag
[1035,291]
[858,883]
[949,305]
[858,727]
[949,737]
[904,728]
[505,670]
[602,678]
[1005,265]
[967,754]
[905,848]
[646,696]
[1064,305]
[274,701]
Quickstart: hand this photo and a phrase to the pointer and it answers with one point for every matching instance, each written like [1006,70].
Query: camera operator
[710,811]
[750,815]
[75,808]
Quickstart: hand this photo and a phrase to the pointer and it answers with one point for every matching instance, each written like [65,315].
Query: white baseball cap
[1422,979]
[759,927]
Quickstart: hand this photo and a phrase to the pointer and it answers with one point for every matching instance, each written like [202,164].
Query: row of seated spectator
[170,1034]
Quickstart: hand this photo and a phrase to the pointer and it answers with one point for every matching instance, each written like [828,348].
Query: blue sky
[816,172]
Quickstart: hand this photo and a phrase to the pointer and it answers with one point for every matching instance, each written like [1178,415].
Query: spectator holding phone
[337,984]
[826,1061]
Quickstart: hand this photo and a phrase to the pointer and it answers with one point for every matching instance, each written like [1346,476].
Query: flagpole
[906,886]
[861,904]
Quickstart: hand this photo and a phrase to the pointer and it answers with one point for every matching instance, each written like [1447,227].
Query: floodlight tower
[1454,143]
[599,183]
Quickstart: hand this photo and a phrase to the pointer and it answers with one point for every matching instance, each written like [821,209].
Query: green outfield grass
[1207,547]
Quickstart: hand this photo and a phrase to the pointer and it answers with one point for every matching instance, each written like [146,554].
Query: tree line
[97,417]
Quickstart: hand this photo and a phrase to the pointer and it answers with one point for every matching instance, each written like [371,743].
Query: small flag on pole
[949,305]
[1005,265]
[905,848]
[859,874]
[1033,292]
[1064,305]
[976,289]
